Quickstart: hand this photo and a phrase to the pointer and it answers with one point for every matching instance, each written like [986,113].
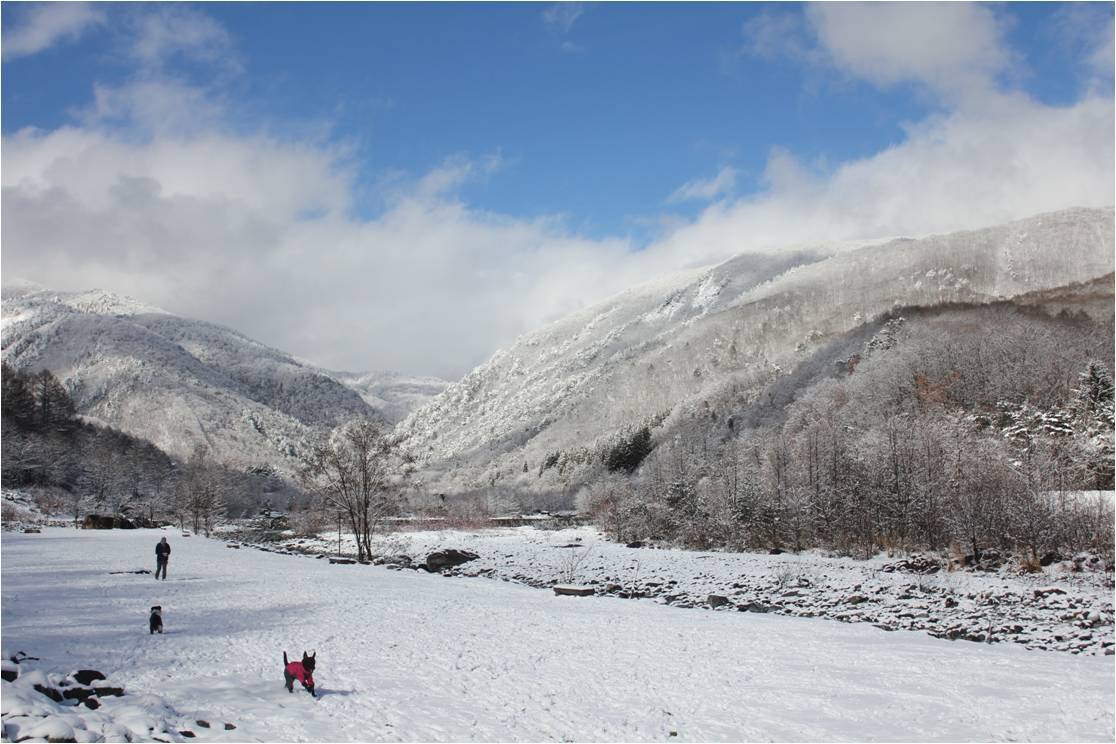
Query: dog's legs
[290,680]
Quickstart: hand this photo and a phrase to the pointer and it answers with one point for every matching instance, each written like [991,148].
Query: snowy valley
[843,494]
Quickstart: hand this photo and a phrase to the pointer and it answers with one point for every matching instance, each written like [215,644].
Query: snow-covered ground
[414,656]
[1057,609]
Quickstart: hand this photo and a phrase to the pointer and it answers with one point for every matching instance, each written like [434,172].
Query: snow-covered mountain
[178,382]
[664,347]
[391,394]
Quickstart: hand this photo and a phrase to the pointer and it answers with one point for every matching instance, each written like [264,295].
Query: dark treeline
[80,468]
[974,429]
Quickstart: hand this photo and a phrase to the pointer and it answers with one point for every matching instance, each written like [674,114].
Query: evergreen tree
[17,402]
[54,409]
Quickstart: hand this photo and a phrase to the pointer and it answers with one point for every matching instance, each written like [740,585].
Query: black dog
[155,621]
[303,671]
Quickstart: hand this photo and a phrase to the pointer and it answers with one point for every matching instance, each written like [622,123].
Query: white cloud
[956,49]
[258,232]
[776,34]
[177,32]
[705,189]
[959,171]
[47,24]
[254,233]
[562,16]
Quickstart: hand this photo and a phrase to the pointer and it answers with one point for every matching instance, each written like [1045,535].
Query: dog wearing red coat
[303,671]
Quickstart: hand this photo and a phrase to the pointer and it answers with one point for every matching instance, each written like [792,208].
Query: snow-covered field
[413,656]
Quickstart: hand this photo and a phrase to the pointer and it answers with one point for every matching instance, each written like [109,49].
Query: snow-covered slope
[667,345]
[175,381]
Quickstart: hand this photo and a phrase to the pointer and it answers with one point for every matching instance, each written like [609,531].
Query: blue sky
[563,132]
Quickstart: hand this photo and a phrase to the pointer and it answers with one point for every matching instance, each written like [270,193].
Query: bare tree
[353,472]
[200,491]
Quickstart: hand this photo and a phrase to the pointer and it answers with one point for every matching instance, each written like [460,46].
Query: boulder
[109,691]
[96,522]
[573,591]
[717,600]
[78,693]
[392,560]
[441,560]
[101,522]
[1050,558]
[50,692]
[916,564]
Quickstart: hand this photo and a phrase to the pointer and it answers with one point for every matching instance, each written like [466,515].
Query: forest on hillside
[78,467]
[977,428]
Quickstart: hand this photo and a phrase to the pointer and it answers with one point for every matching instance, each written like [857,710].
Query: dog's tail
[285,662]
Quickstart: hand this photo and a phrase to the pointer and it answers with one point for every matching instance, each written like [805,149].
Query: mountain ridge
[178,382]
[654,349]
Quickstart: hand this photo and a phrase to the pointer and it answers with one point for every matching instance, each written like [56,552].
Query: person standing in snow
[162,557]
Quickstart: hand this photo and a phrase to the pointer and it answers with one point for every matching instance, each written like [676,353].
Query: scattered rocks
[343,561]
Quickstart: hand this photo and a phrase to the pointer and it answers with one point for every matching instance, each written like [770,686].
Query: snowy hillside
[174,381]
[411,656]
[668,345]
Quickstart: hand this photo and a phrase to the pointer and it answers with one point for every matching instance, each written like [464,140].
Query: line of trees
[984,441]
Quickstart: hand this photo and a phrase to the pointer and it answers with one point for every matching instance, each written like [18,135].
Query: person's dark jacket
[162,550]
